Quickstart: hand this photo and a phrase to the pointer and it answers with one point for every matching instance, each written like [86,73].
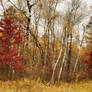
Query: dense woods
[38,40]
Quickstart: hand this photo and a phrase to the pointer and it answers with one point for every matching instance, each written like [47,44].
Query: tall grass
[36,86]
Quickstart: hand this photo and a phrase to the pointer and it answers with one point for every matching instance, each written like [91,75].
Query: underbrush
[36,86]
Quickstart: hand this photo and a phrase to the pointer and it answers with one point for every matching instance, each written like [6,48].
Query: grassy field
[36,86]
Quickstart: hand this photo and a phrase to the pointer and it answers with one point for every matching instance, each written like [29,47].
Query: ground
[37,86]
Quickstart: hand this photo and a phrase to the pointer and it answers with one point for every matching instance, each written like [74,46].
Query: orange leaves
[39,4]
[1,34]
[58,44]
[82,51]
[70,27]
[47,15]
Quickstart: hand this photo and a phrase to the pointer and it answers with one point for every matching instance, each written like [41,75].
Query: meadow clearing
[37,86]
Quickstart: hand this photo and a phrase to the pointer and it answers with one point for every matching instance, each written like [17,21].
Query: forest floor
[37,86]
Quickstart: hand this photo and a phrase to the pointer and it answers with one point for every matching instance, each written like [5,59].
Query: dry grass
[37,86]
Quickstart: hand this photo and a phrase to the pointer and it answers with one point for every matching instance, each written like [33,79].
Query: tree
[43,46]
[12,36]
[88,55]
[72,16]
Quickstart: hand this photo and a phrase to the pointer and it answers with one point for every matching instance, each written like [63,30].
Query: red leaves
[89,53]
[12,36]
[11,31]
[88,62]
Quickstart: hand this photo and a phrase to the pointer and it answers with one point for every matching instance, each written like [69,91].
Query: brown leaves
[39,4]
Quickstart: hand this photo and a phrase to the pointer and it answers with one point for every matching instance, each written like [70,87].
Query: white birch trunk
[79,50]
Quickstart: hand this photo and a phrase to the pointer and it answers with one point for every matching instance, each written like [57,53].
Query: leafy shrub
[11,38]
[88,63]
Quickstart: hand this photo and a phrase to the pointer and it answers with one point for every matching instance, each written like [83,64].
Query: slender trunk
[62,41]
[54,54]
[28,22]
[70,52]
[64,58]
[77,59]
[63,61]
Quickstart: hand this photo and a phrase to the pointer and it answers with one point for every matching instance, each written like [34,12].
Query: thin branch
[17,8]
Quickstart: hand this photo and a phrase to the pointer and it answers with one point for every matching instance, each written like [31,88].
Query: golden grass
[37,86]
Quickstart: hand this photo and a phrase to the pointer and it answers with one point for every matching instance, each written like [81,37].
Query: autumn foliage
[88,62]
[38,41]
[11,36]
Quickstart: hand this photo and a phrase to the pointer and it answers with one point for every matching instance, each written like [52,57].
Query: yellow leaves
[39,4]
[58,44]
[70,27]
[18,14]
[20,17]
[47,14]
[23,12]
[75,46]
[1,34]
[82,51]
[26,81]
[1,83]
[11,10]
[51,16]
[56,15]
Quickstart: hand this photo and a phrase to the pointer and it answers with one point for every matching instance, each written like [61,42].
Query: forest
[45,46]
